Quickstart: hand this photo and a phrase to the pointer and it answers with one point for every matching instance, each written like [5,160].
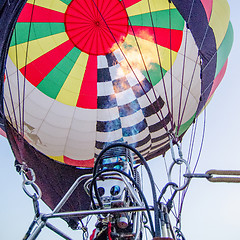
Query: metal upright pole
[37,230]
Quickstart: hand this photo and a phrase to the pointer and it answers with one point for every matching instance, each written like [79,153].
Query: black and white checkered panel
[125,113]
[157,117]
[109,128]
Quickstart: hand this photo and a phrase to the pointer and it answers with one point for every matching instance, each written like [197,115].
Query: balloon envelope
[83,74]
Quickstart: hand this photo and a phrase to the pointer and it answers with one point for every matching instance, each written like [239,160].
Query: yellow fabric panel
[70,90]
[219,19]
[149,52]
[57,158]
[36,48]
[55,5]
[143,7]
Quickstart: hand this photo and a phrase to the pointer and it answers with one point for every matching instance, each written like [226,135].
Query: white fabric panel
[134,78]
[12,99]
[37,104]
[82,134]
[102,62]
[191,51]
[161,131]
[105,88]
[150,97]
[145,153]
[69,140]
[83,126]
[132,119]
[31,123]
[116,72]
[83,150]
[125,97]
[192,98]
[153,119]
[108,114]
[118,54]
[13,73]
[85,114]
[11,70]
[138,137]
[59,115]
[109,136]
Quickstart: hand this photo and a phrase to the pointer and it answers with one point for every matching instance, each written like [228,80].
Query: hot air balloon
[80,75]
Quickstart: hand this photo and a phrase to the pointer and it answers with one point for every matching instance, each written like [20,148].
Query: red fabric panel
[95,29]
[109,230]
[88,93]
[81,163]
[33,13]
[2,132]
[38,69]
[162,36]
[218,79]
[129,3]
[207,4]
[93,235]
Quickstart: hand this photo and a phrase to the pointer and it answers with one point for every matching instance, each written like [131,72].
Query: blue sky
[211,211]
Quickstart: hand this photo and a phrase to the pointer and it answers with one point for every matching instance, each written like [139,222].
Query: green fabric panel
[184,127]
[53,82]
[224,49]
[38,30]
[155,74]
[66,1]
[160,19]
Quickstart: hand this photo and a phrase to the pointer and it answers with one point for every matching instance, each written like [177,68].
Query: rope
[18,85]
[145,66]
[11,100]
[171,60]
[224,177]
[25,74]
[128,62]
[160,62]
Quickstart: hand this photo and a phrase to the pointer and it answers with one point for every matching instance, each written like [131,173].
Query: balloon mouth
[96,28]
